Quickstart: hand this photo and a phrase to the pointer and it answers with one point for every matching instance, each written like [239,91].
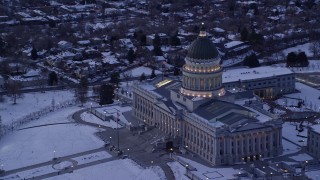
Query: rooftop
[233,75]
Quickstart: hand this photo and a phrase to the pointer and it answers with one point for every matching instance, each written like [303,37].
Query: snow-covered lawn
[289,148]
[301,157]
[178,170]
[31,102]
[309,95]
[299,48]
[94,119]
[204,172]
[313,174]
[29,174]
[92,157]
[124,169]
[289,132]
[35,145]
[314,66]
[136,72]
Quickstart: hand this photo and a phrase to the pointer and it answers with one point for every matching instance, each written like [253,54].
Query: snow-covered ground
[289,132]
[204,172]
[314,66]
[124,169]
[136,72]
[35,145]
[31,102]
[301,157]
[299,48]
[92,157]
[313,174]
[289,148]
[178,170]
[309,95]
[94,119]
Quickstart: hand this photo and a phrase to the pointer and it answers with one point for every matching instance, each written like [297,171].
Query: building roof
[202,48]
[233,75]
[216,108]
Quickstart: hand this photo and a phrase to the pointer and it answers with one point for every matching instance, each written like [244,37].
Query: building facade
[196,114]
[313,145]
[266,81]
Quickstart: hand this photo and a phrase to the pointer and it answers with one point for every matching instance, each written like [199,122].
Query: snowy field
[136,72]
[289,148]
[315,175]
[31,102]
[94,119]
[299,48]
[36,145]
[178,170]
[92,157]
[309,95]
[124,169]
[301,157]
[289,132]
[314,66]
[204,172]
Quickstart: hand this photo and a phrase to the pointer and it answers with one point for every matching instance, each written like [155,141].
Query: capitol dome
[202,73]
[202,48]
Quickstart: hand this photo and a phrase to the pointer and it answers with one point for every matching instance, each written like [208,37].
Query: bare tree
[127,75]
[315,48]
[14,90]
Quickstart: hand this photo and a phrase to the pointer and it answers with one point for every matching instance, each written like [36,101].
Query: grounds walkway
[135,146]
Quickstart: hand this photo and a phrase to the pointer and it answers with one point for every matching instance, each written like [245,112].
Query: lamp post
[118,139]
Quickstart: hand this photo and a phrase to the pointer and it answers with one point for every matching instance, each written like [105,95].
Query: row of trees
[297,59]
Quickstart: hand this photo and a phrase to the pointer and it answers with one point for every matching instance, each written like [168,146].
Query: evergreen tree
[251,61]
[176,71]
[156,40]
[131,55]
[142,77]
[291,59]
[244,34]
[34,54]
[153,74]
[53,78]
[157,51]
[143,39]
[174,40]
[115,78]
[302,59]
[82,90]
[106,94]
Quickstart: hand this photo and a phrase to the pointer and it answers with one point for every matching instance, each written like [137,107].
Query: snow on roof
[32,73]
[84,42]
[316,128]
[108,58]
[136,72]
[216,29]
[232,44]
[63,43]
[233,75]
